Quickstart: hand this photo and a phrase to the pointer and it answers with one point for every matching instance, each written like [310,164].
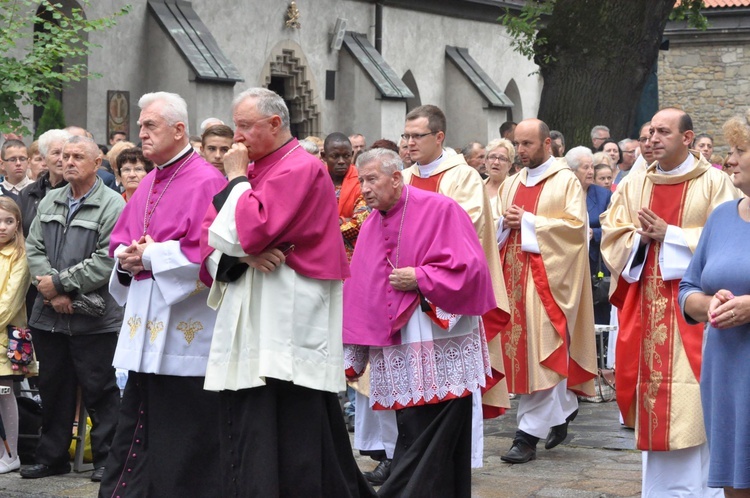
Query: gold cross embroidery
[134,322]
[154,328]
[189,329]
[199,286]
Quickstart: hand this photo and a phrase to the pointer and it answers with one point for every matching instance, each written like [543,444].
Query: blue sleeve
[691,281]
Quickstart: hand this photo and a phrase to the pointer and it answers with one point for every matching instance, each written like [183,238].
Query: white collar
[175,158]
[427,169]
[534,175]
[686,166]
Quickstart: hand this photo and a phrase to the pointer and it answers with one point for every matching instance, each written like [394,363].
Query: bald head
[533,143]
[671,134]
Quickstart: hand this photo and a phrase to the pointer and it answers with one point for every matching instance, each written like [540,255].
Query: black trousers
[66,362]
[167,441]
[284,440]
[432,458]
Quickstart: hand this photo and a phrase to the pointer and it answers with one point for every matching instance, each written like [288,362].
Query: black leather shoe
[98,474]
[558,433]
[520,452]
[378,476]
[41,470]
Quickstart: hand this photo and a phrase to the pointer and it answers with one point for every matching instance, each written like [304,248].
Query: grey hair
[625,141]
[576,154]
[207,121]
[598,128]
[174,109]
[92,149]
[506,144]
[309,147]
[50,137]
[389,160]
[268,103]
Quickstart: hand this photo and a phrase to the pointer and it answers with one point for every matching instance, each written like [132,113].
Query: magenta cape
[291,201]
[180,211]
[439,241]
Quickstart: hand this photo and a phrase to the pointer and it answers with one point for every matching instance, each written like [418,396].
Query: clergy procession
[257,297]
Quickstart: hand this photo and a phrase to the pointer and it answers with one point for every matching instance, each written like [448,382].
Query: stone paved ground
[596,461]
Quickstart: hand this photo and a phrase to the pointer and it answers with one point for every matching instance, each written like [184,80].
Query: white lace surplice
[430,365]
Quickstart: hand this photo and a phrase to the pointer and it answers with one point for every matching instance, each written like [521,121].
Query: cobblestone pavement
[597,460]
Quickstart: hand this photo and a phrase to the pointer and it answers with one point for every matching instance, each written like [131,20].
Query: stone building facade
[394,57]
[707,73]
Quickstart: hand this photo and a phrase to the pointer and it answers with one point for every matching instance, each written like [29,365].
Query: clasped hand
[131,259]
[725,310]
[512,217]
[265,262]
[403,279]
[652,227]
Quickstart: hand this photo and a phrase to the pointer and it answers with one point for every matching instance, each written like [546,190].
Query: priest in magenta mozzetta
[412,307]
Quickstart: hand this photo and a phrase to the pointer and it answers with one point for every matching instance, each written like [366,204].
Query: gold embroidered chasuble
[658,354]
[561,232]
[463,184]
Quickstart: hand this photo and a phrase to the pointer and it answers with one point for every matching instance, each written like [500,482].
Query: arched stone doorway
[286,73]
[411,83]
[515,113]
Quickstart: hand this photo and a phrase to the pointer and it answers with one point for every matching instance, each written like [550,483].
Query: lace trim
[355,358]
[428,372]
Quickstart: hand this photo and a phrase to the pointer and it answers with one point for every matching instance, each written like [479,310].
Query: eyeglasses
[493,158]
[416,136]
[16,159]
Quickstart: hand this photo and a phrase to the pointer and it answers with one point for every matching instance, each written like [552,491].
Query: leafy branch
[50,44]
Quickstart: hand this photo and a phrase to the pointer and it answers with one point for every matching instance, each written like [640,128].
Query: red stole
[349,193]
[516,264]
[645,340]
[492,320]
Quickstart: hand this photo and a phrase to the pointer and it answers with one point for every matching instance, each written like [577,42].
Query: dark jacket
[30,197]
[597,201]
[76,254]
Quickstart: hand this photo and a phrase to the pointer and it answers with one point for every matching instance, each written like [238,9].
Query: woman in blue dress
[716,289]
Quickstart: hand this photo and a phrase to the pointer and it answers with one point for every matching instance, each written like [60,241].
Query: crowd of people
[243,279]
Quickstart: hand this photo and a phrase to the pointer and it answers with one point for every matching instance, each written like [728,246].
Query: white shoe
[11,466]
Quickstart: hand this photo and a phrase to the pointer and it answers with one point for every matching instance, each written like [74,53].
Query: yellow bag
[87,456]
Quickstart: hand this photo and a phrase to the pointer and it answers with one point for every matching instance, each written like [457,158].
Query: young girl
[14,282]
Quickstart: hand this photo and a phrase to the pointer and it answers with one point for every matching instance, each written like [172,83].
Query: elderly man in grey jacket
[74,320]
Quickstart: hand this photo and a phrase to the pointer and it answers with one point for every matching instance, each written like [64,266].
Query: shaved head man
[542,211]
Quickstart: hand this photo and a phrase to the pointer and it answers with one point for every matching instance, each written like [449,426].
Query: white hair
[598,128]
[91,148]
[389,160]
[309,147]
[268,103]
[625,141]
[210,122]
[50,137]
[576,154]
[174,107]
[502,142]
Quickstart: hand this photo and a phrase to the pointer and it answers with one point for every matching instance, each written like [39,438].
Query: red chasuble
[516,265]
[645,356]
[493,320]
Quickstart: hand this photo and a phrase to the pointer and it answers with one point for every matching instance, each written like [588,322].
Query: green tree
[52,118]
[594,56]
[30,59]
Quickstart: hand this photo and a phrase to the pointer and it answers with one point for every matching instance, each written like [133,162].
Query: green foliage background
[32,76]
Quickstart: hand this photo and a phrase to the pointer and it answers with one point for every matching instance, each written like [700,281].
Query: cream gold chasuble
[550,335]
[658,354]
[459,181]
